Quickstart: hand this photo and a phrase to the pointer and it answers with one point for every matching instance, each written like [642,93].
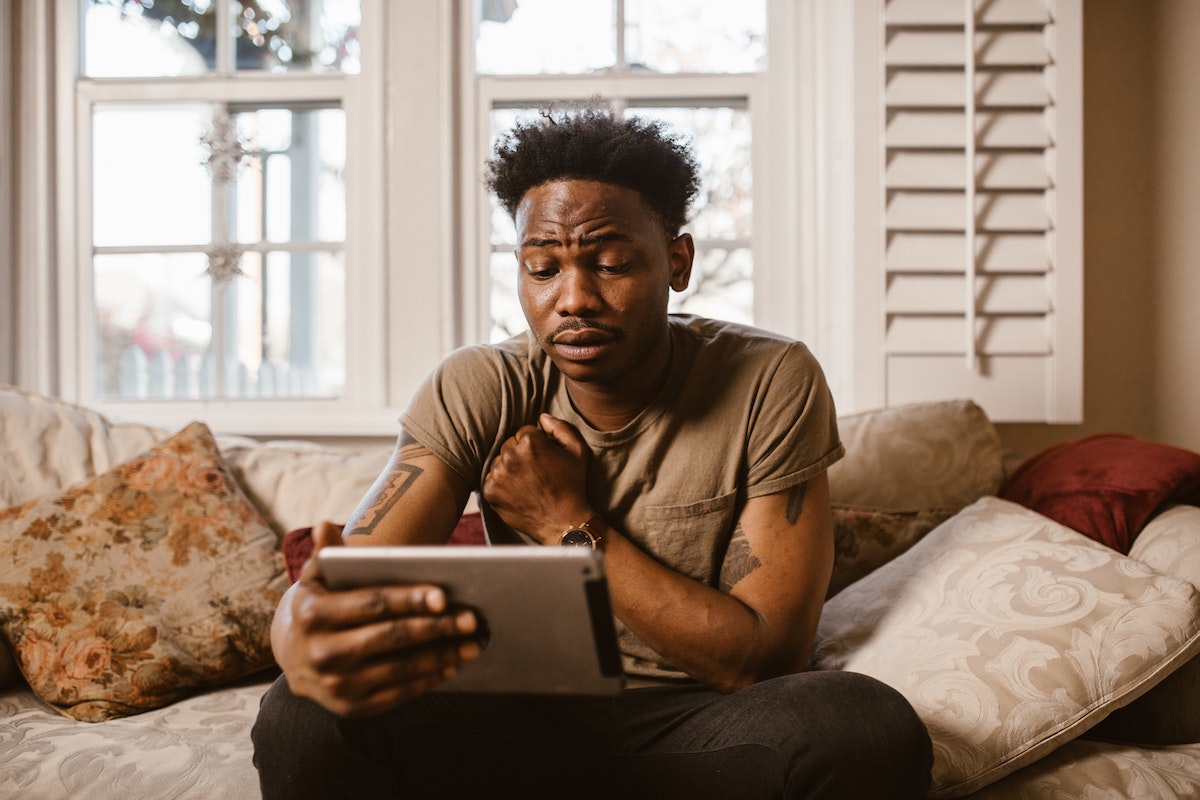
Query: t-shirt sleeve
[459,410]
[794,436]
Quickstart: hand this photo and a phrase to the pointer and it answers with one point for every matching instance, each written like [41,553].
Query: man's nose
[578,293]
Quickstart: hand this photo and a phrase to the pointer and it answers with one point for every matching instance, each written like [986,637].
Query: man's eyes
[550,270]
[615,269]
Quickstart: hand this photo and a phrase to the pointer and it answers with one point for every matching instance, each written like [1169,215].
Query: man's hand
[538,482]
[365,651]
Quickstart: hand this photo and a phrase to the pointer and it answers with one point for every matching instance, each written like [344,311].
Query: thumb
[327,534]
[324,534]
[562,432]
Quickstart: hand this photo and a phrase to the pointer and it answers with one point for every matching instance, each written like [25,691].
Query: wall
[1177,211]
[1141,241]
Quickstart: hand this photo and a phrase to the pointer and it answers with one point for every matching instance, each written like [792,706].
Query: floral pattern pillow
[865,539]
[128,591]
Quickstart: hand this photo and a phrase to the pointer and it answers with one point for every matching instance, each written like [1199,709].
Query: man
[694,451]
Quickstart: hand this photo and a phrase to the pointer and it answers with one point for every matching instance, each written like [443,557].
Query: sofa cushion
[298,545]
[866,539]
[124,592]
[298,483]
[1169,713]
[917,457]
[1010,634]
[1105,486]
[49,444]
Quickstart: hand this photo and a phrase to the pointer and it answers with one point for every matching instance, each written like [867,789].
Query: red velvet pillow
[297,544]
[1105,486]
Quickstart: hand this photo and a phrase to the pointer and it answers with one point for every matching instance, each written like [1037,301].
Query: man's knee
[866,739]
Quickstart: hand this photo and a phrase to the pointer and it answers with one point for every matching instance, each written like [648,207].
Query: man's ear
[680,252]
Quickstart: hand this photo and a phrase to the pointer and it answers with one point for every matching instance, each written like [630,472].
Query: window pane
[153,326]
[696,35]
[722,286]
[507,317]
[133,38]
[544,36]
[298,35]
[721,140]
[150,182]
[291,186]
[287,334]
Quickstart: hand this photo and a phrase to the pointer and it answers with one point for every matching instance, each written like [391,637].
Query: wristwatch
[589,534]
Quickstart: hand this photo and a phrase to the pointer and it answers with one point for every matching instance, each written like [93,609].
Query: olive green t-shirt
[743,413]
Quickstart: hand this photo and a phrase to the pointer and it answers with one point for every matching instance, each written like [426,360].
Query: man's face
[596,268]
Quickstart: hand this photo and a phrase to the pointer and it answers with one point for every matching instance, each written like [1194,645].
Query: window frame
[363,408]
[479,94]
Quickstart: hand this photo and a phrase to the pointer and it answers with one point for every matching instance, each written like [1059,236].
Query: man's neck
[612,406]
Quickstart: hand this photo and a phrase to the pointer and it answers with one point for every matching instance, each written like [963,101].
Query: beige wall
[1141,166]
[1177,210]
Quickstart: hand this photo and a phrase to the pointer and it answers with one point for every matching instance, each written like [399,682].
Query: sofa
[139,568]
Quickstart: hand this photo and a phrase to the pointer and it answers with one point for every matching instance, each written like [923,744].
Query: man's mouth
[582,343]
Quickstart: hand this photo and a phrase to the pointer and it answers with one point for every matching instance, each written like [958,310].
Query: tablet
[547,620]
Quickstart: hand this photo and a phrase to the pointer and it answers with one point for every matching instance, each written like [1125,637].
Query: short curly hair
[590,143]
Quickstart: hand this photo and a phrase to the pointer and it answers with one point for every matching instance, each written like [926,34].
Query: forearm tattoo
[380,501]
[739,562]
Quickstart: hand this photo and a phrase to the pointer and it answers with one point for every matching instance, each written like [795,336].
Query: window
[217,244]
[697,67]
[308,234]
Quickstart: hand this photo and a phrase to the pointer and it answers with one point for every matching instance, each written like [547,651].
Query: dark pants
[811,735]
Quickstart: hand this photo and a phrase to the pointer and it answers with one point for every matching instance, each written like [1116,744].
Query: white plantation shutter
[981,202]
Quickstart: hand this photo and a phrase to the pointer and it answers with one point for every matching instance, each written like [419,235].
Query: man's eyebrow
[592,238]
[535,241]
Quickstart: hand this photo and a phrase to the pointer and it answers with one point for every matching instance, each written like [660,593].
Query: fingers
[562,432]
[385,683]
[353,608]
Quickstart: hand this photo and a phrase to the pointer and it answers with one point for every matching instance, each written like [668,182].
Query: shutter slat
[942,335]
[943,252]
[908,169]
[999,294]
[1012,212]
[951,12]
[916,130]
[919,88]
[913,47]
[994,211]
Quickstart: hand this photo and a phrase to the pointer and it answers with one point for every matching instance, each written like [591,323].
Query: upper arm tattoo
[795,503]
[383,496]
[739,562]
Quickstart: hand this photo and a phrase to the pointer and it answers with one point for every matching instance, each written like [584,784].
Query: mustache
[577,324]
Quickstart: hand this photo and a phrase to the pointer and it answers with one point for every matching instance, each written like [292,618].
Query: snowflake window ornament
[226,149]
[224,263]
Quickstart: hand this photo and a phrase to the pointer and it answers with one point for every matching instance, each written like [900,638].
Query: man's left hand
[538,482]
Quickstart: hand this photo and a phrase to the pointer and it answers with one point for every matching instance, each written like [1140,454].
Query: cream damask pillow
[1010,635]
[129,590]
[1170,712]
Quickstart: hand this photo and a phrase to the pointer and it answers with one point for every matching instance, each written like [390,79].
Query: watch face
[578,537]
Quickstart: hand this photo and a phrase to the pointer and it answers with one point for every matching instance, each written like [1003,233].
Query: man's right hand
[365,651]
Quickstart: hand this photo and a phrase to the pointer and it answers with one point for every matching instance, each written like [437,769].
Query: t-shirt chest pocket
[691,538]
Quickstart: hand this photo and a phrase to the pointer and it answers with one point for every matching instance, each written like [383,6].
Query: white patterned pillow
[1010,634]
[1170,712]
